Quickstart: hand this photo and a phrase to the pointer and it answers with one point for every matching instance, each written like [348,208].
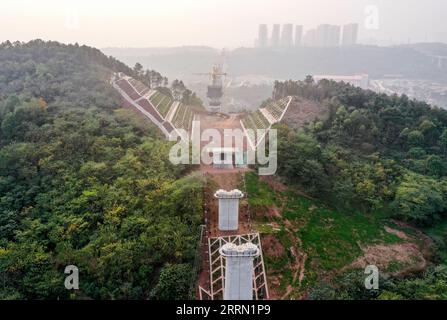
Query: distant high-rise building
[262,36]
[310,38]
[274,40]
[298,35]
[287,35]
[327,35]
[350,34]
[322,35]
[334,36]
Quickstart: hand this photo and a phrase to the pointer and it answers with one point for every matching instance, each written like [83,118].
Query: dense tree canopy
[85,182]
[373,152]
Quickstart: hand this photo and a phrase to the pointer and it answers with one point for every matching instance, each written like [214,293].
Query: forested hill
[86,183]
[378,159]
[56,72]
[373,152]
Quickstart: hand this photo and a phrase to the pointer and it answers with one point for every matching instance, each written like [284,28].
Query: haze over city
[220,23]
[222,151]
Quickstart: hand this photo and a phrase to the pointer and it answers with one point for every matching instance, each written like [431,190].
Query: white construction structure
[239,270]
[222,158]
[228,209]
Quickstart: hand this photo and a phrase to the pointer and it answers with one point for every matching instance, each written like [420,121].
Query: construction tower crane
[215,88]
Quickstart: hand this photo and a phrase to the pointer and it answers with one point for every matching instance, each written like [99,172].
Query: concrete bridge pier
[239,270]
[228,209]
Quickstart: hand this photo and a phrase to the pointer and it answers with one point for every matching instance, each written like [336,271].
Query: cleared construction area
[232,261]
[223,266]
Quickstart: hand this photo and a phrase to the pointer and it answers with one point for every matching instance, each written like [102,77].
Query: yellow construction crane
[215,90]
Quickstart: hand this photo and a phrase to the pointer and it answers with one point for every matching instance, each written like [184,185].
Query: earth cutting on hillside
[304,241]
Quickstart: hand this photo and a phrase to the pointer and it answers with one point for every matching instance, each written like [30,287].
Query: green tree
[174,283]
[443,140]
[435,166]
[420,199]
[138,68]
[415,138]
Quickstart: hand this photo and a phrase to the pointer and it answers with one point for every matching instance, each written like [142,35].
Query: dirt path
[220,179]
[220,122]
[298,267]
[227,180]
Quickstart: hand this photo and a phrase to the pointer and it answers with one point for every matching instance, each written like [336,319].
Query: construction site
[152,152]
[231,255]
[236,239]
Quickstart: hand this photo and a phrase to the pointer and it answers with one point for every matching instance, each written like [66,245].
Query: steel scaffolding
[217,268]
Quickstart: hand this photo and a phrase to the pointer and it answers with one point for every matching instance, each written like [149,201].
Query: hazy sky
[218,23]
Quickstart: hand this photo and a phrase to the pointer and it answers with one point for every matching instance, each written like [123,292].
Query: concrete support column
[239,270]
[228,209]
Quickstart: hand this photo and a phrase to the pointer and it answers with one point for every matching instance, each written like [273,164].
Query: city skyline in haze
[215,23]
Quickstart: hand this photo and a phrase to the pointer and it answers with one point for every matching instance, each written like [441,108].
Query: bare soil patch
[273,212]
[271,246]
[219,122]
[407,255]
[402,235]
[302,111]
[427,242]
[227,180]
[273,183]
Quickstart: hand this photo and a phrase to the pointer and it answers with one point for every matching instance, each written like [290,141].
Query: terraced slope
[183,117]
[154,105]
[277,108]
[255,120]
[161,102]
[141,88]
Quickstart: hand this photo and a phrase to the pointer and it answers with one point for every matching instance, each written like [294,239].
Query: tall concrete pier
[228,209]
[239,270]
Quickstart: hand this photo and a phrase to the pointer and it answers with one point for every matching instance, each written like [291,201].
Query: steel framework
[217,268]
